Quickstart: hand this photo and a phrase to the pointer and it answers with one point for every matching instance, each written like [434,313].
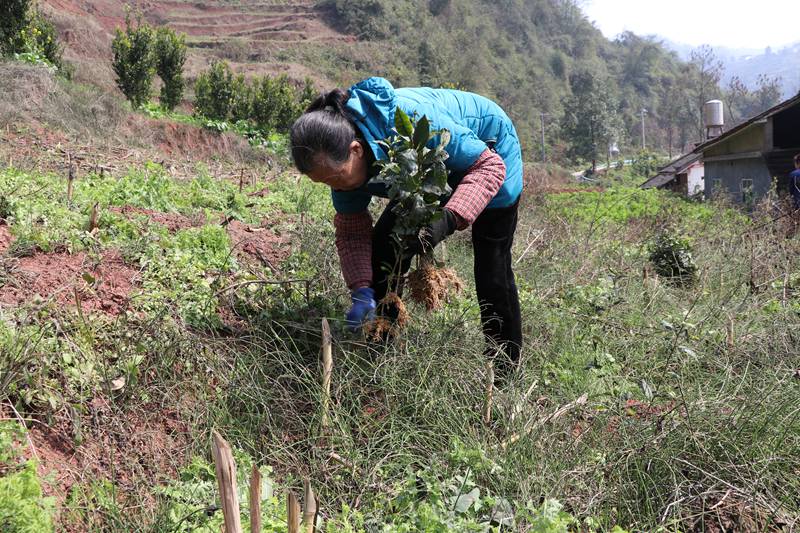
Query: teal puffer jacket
[475,124]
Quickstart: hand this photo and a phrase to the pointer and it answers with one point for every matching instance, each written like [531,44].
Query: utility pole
[644,112]
[544,155]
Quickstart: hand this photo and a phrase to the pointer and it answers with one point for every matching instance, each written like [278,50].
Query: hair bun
[337,99]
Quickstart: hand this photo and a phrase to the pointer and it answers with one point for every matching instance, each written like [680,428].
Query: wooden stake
[226,480]
[309,509]
[70,179]
[729,333]
[487,407]
[255,500]
[292,513]
[93,218]
[241,181]
[327,371]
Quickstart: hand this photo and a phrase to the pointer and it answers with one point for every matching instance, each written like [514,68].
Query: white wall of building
[694,179]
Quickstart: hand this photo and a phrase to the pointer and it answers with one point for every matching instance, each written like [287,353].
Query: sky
[763,23]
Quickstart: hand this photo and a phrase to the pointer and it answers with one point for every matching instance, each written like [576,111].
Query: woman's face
[346,176]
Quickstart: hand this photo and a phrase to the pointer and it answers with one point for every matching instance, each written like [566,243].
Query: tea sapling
[415,177]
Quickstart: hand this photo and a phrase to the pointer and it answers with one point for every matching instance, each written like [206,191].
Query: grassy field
[179,306]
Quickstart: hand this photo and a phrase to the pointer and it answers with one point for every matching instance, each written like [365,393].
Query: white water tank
[713,116]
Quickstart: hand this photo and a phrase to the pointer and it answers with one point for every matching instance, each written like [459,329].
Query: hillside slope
[248,34]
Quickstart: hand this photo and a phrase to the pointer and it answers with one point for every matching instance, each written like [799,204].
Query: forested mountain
[748,65]
[539,57]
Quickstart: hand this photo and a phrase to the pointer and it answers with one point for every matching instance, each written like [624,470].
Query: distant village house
[740,163]
[683,175]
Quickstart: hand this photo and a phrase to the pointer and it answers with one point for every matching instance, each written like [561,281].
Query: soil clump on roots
[431,286]
[383,328]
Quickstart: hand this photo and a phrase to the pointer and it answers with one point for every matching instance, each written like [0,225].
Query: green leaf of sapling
[422,133]
[402,123]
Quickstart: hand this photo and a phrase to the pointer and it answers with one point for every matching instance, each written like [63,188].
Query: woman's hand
[432,234]
[363,308]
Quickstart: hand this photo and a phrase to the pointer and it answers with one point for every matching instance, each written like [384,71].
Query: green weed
[23,508]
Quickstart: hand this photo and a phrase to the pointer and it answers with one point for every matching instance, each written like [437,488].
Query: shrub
[170,51]
[242,103]
[275,105]
[134,61]
[646,163]
[30,37]
[307,95]
[214,92]
[45,40]
[672,258]
[13,19]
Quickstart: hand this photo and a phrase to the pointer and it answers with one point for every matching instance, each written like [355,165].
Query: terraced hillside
[261,24]
[256,37]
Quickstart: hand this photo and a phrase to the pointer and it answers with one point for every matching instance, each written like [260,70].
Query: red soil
[153,441]
[59,277]
[260,244]
[172,221]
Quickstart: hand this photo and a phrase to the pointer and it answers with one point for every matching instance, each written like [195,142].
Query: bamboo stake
[255,500]
[93,218]
[226,480]
[327,371]
[729,333]
[309,509]
[70,179]
[292,513]
[487,408]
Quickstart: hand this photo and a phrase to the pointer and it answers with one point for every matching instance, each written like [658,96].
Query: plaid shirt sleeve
[354,244]
[480,184]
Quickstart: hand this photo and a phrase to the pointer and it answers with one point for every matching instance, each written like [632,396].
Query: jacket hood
[372,104]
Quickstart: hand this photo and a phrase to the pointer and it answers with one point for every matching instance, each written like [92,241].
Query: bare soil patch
[172,221]
[262,245]
[102,285]
[136,449]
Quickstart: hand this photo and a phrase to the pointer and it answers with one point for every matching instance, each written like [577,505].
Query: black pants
[492,237]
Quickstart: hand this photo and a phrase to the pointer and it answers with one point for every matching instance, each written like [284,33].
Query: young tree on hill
[591,121]
[13,19]
[738,97]
[214,91]
[768,92]
[708,71]
[170,51]
[134,61]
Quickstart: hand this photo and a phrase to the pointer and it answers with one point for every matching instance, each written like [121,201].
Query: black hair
[797,159]
[324,129]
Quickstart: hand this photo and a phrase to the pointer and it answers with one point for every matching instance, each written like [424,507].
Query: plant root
[384,328]
[430,285]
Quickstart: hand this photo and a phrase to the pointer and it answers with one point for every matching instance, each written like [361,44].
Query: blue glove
[363,308]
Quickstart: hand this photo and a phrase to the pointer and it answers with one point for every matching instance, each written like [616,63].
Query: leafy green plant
[23,508]
[646,164]
[414,174]
[213,92]
[134,62]
[275,104]
[671,258]
[13,20]
[170,54]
